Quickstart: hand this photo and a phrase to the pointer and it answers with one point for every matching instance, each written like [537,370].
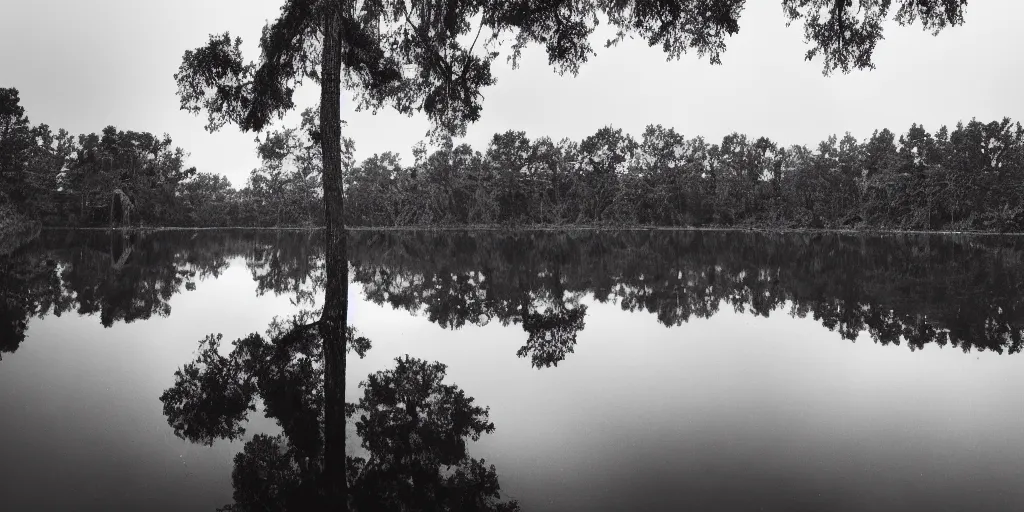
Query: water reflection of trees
[412,426]
[129,277]
[913,289]
[293,265]
[29,286]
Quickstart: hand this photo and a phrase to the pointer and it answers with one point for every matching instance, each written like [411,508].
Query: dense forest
[969,178]
[129,178]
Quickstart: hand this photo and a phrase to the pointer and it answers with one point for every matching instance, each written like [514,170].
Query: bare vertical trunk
[334,320]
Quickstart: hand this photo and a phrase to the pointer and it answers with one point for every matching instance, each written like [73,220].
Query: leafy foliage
[969,178]
[428,56]
[846,36]
[67,181]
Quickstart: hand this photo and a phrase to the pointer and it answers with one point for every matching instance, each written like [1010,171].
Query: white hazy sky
[82,65]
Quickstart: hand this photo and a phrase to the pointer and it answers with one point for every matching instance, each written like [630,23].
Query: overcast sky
[88,64]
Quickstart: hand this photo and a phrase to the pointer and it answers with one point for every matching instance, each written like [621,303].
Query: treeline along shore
[966,179]
[969,178]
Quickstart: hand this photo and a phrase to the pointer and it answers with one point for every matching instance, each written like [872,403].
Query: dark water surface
[622,371]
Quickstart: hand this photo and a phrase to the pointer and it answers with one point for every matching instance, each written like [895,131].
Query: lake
[633,370]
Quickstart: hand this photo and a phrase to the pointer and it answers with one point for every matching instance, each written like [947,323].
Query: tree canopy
[436,56]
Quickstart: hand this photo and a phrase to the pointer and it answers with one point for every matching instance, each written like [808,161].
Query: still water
[593,371]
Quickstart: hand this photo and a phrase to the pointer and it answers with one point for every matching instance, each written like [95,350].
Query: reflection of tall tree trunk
[333,322]
[122,248]
[558,294]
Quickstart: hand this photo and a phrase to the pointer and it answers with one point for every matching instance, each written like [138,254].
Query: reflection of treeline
[128,278]
[967,178]
[914,289]
[967,292]
[92,179]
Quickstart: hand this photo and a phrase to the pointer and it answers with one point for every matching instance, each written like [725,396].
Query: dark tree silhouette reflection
[913,290]
[293,265]
[917,290]
[413,426]
[452,295]
[29,287]
[128,277]
[552,334]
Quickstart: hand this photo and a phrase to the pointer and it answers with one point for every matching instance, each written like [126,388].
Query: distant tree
[208,198]
[969,178]
[509,155]
[31,160]
[288,182]
[16,142]
[880,152]
[551,176]
[145,168]
[604,159]
[44,169]
[379,192]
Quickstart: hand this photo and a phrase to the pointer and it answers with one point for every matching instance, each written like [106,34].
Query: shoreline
[563,228]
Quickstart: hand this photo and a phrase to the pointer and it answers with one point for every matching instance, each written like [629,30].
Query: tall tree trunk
[334,320]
